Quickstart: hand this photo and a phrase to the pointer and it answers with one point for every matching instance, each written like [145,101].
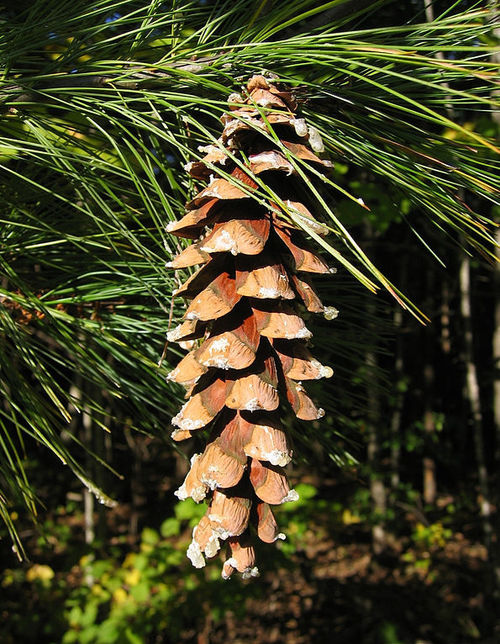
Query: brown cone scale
[244,322]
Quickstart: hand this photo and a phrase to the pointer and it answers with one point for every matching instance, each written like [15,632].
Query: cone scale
[244,324]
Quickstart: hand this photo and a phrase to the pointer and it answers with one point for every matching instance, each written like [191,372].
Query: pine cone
[243,326]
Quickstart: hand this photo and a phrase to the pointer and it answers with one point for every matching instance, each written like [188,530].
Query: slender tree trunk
[377,487]
[102,447]
[496,344]
[473,395]
[496,356]
[496,407]
[88,497]
[398,402]
[82,424]
[429,483]
[429,464]
[445,317]
[399,393]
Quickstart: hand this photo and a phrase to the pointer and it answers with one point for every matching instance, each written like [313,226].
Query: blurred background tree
[101,105]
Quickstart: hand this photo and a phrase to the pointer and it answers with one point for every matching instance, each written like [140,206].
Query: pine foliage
[101,106]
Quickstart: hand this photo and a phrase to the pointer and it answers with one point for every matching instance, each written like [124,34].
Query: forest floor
[344,594]
[429,585]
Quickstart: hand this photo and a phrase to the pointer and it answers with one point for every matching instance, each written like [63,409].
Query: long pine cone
[243,326]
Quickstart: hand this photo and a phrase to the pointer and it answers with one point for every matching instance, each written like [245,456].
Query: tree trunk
[496,408]
[496,356]
[473,396]
[88,497]
[445,317]
[398,401]
[429,483]
[496,342]
[377,487]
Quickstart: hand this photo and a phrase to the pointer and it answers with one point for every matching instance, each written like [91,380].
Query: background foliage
[101,105]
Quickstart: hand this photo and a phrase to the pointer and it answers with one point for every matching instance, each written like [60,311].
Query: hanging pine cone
[243,326]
